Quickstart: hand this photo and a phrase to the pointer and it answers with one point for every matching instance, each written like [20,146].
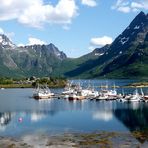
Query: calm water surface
[20,114]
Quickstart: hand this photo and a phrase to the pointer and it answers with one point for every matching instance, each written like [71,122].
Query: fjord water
[20,114]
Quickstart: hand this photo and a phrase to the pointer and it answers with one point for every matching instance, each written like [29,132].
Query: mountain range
[126,57]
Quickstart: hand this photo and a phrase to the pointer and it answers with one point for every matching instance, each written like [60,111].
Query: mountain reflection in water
[78,116]
[60,115]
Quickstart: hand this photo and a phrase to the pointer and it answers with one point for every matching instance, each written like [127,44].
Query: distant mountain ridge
[126,57]
[38,60]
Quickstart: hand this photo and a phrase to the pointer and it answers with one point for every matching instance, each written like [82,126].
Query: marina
[78,92]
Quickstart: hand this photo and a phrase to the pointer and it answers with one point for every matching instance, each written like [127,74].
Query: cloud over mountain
[127,6]
[101,41]
[35,41]
[1,31]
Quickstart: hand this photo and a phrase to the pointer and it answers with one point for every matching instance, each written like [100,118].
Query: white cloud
[1,31]
[91,3]
[35,41]
[136,5]
[20,45]
[127,6]
[122,6]
[10,35]
[35,13]
[124,9]
[101,41]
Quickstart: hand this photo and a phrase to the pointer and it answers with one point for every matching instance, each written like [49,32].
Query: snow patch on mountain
[5,42]
[124,40]
[136,27]
[1,39]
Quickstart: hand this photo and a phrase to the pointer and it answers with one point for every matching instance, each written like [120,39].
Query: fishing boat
[80,93]
[135,97]
[42,93]
[68,89]
[112,95]
[103,95]
[106,94]
[76,96]
[144,96]
[88,93]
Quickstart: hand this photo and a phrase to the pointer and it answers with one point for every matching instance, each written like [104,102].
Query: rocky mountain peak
[55,50]
[141,15]
[134,34]
[49,49]
[5,42]
[140,21]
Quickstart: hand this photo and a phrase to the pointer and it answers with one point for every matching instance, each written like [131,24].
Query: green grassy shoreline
[32,82]
[138,84]
[28,86]
[16,86]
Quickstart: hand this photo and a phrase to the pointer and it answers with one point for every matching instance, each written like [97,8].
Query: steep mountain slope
[83,69]
[126,57]
[78,65]
[128,49]
[38,60]
[7,66]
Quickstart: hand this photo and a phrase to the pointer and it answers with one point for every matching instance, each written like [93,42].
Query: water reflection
[103,115]
[35,117]
[65,113]
[5,118]
[59,115]
[135,118]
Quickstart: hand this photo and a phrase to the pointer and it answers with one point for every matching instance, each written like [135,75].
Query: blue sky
[74,26]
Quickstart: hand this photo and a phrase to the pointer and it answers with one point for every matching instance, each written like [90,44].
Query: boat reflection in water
[55,116]
[60,115]
[5,118]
